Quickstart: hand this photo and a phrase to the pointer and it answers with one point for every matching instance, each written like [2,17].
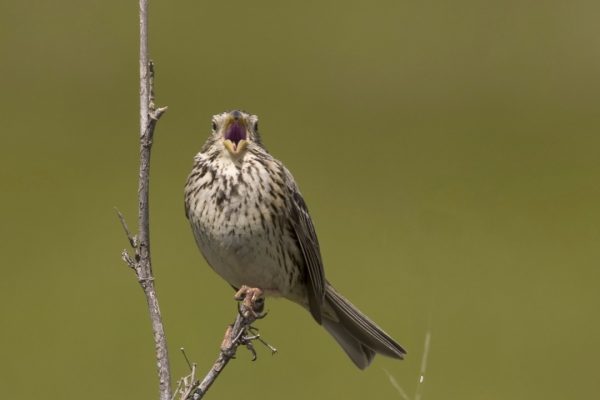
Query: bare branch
[128,260]
[132,239]
[148,119]
[141,263]
[241,333]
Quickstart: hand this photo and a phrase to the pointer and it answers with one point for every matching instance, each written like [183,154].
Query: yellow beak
[234,149]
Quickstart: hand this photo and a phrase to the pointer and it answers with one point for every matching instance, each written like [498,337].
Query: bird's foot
[245,338]
[252,302]
[254,335]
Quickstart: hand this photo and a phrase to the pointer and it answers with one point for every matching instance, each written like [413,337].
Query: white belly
[240,243]
[242,259]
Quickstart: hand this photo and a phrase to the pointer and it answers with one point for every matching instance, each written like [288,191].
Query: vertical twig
[148,118]
[141,263]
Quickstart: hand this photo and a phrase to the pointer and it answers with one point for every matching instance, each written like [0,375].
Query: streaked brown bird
[253,228]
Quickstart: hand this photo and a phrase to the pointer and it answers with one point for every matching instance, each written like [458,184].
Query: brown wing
[309,245]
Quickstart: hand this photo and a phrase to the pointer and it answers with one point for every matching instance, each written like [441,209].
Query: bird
[253,228]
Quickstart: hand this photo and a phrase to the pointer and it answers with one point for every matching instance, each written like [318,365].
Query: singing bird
[253,228]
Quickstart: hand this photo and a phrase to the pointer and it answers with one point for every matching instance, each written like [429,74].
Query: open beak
[236,134]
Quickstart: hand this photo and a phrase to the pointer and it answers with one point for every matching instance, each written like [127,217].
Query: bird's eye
[214,126]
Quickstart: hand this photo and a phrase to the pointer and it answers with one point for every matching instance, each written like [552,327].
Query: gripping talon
[252,302]
[251,307]
[251,348]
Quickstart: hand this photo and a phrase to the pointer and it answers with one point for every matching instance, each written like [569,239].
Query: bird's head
[236,130]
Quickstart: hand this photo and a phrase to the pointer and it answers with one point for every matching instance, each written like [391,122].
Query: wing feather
[309,246]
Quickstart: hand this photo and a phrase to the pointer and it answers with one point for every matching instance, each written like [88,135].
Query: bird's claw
[252,302]
[256,336]
[247,341]
[251,308]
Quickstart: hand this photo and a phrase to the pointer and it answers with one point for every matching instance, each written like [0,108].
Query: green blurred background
[448,152]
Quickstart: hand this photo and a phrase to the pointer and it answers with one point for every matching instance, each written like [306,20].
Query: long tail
[360,337]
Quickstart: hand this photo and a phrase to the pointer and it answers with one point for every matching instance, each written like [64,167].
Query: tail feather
[360,337]
[360,355]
